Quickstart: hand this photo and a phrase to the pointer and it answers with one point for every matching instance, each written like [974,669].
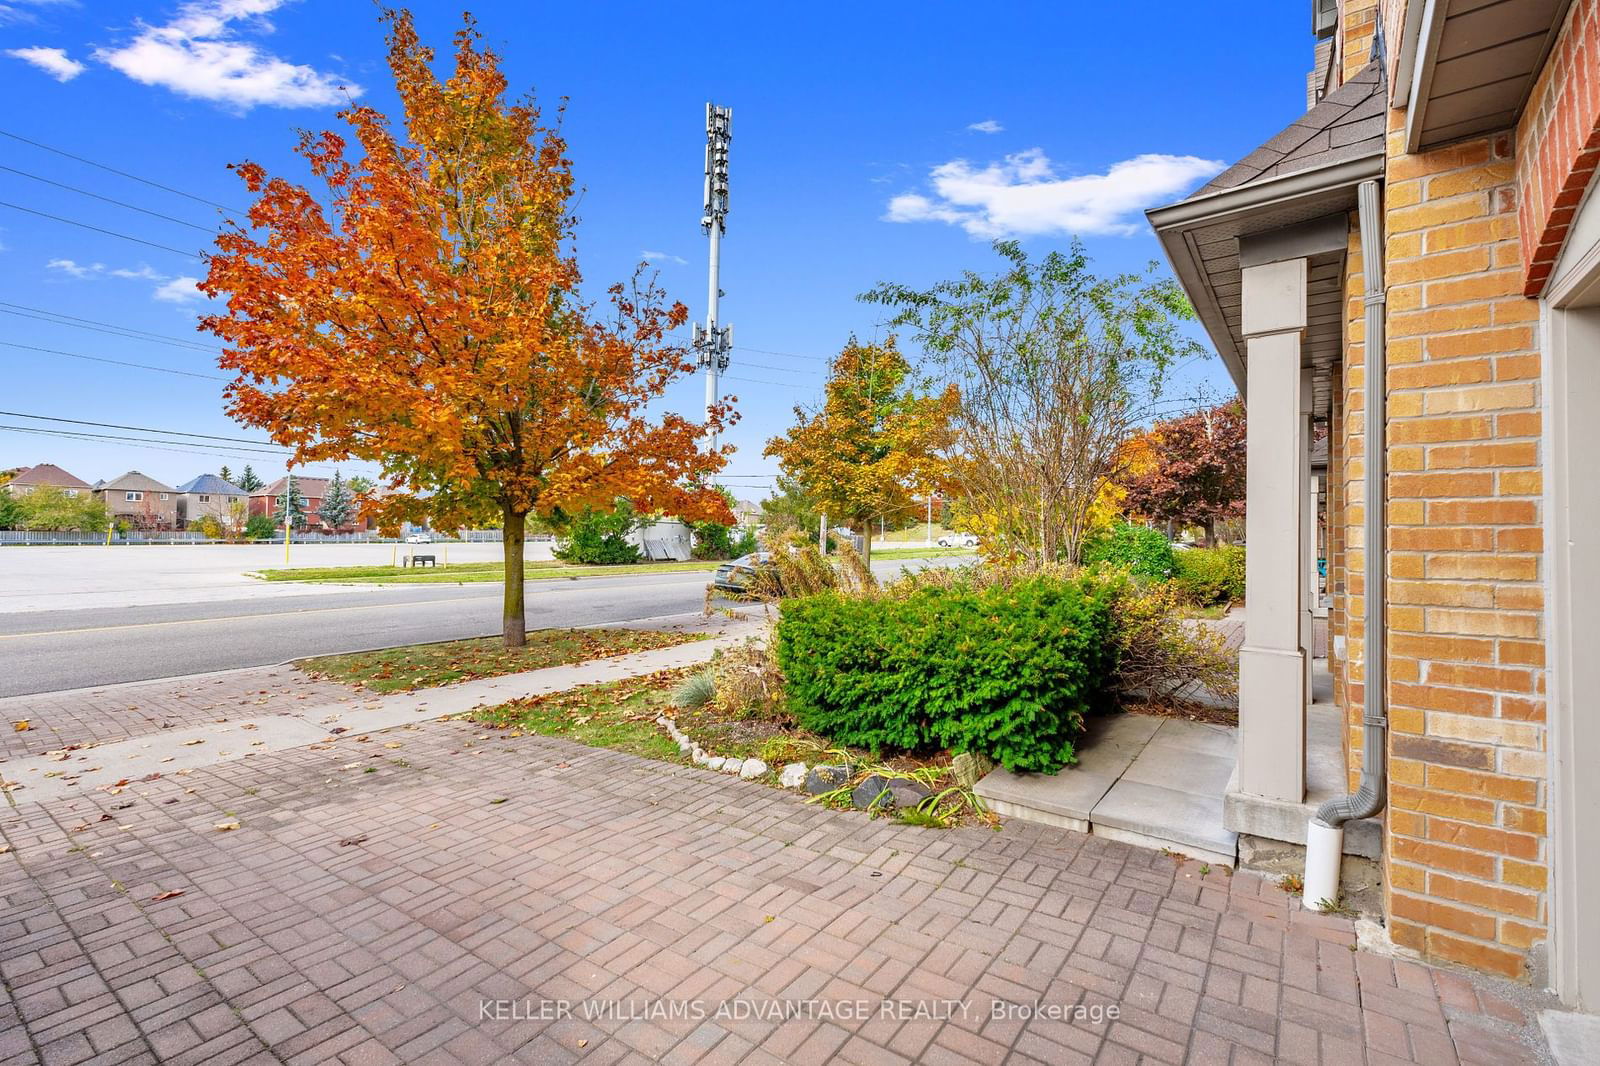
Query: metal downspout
[1369,799]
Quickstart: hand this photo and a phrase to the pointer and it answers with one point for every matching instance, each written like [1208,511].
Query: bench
[421,560]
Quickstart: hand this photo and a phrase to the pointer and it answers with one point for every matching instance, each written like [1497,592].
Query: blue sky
[871,142]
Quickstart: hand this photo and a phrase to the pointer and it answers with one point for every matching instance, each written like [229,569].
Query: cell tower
[712,342]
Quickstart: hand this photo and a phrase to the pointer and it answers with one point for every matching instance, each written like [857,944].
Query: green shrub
[260,527]
[1141,551]
[713,540]
[1210,576]
[600,538]
[1007,670]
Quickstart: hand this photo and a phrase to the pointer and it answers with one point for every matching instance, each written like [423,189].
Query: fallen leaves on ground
[22,726]
[162,897]
[227,827]
[350,842]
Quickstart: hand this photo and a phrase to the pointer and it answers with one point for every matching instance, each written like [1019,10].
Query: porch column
[1272,661]
[1308,532]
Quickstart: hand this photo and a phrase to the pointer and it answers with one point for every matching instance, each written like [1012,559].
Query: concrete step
[1154,782]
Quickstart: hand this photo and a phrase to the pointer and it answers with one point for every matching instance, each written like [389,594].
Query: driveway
[440,894]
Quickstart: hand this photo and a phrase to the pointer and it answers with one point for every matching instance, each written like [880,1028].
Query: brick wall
[1558,143]
[1466,851]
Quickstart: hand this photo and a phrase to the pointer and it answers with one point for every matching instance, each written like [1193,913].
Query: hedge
[1002,671]
[1211,576]
[1140,550]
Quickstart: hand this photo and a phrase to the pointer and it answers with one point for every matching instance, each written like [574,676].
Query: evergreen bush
[1004,670]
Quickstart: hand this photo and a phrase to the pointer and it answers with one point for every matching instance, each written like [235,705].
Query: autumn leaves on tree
[876,446]
[424,312]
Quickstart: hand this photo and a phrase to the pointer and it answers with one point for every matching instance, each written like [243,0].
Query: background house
[140,501]
[208,496]
[47,474]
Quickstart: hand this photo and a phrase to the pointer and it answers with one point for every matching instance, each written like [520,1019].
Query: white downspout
[1325,834]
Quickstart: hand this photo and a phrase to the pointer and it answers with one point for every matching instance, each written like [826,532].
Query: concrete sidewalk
[341,711]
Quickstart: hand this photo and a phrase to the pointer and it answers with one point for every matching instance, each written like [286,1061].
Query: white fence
[30,536]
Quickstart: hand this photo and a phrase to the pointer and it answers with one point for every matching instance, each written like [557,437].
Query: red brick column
[1558,143]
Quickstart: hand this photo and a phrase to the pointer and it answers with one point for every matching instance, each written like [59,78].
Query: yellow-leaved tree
[876,446]
[425,313]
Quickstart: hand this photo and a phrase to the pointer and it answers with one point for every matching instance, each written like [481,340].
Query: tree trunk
[866,545]
[514,623]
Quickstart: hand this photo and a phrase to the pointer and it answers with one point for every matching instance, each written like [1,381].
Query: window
[73,493]
[133,497]
[203,499]
[164,496]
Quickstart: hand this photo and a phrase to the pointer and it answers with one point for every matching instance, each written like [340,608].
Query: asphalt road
[47,651]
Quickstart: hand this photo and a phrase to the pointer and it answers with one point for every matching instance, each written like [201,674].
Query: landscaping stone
[752,769]
[826,778]
[715,762]
[698,754]
[793,775]
[969,768]
[732,766]
[869,793]
[908,793]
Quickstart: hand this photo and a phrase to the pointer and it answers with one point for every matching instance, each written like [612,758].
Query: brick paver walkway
[473,896]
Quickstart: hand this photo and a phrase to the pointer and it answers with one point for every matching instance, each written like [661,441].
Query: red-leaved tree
[1198,476]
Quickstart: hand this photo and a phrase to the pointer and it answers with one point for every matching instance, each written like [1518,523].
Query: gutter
[1325,833]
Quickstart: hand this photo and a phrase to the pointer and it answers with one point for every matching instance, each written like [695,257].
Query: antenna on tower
[712,342]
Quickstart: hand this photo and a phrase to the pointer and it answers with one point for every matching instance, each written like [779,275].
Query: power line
[196,449]
[143,429]
[126,332]
[122,173]
[115,362]
[109,200]
[171,445]
[98,229]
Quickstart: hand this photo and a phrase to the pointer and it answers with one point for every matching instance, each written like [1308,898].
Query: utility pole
[711,342]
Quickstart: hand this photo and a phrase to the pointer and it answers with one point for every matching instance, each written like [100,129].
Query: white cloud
[988,125]
[199,53]
[74,268]
[1022,195]
[53,61]
[653,256]
[16,12]
[142,273]
[179,290]
[168,289]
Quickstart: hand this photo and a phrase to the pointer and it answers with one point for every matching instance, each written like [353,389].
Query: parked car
[422,536]
[737,577]
[958,540]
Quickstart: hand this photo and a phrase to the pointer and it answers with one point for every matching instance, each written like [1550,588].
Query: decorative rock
[793,775]
[969,768]
[715,762]
[907,793]
[752,769]
[870,793]
[732,766]
[826,778]
[698,754]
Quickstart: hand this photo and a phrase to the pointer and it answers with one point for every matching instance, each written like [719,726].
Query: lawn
[880,554]
[429,665]
[620,715]
[544,570]
[465,573]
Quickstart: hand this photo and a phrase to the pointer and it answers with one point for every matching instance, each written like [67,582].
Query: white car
[958,540]
[420,537]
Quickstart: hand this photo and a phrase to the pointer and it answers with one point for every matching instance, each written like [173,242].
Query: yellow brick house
[1407,281]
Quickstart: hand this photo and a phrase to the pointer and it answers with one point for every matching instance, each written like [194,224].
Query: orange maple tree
[876,446]
[425,314]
